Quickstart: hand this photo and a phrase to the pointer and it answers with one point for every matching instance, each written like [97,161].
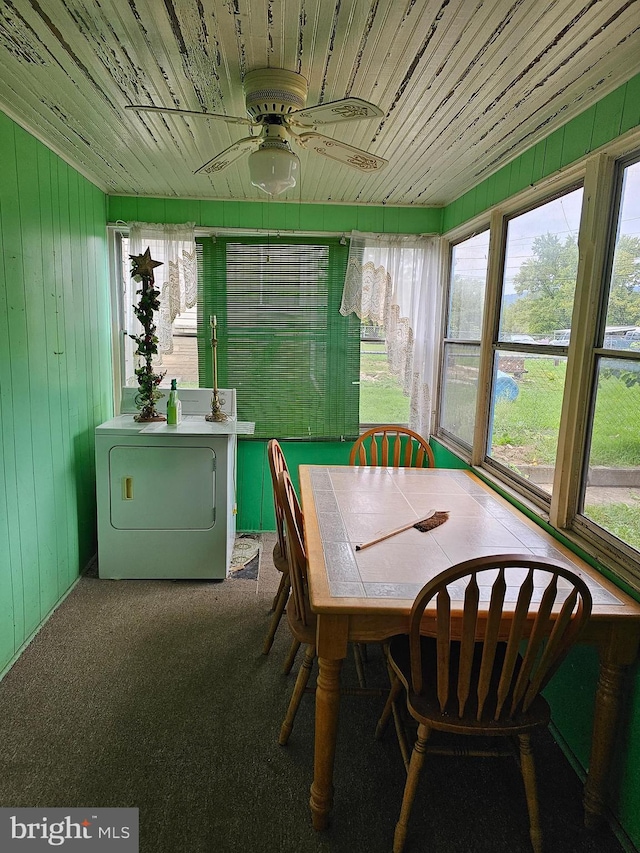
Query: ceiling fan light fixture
[274,167]
[276,99]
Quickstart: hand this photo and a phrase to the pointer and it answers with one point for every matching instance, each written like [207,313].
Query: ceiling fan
[276,103]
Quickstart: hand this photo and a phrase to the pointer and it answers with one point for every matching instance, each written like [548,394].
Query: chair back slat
[494,620]
[443,646]
[392,446]
[384,449]
[277,464]
[557,645]
[420,458]
[443,622]
[468,644]
[516,637]
[500,659]
[296,554]
[539,632]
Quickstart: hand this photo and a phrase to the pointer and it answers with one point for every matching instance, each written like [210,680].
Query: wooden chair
[395,447]
[302,621]
[482,676]
[278,464]
[392,447]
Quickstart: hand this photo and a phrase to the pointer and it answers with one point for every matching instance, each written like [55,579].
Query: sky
[560,216]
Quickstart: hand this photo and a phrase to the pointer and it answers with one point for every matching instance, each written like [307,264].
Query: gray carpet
[154,694]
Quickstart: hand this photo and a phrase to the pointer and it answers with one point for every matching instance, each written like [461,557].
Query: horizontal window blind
[283,344]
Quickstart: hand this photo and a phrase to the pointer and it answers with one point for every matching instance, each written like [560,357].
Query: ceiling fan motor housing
[274,91]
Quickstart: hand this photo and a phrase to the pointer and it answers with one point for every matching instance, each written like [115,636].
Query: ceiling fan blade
[229,155]
[343,153]
[348,109]
[142,108]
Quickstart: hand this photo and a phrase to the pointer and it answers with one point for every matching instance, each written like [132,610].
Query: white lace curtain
[175,247]
[396,282]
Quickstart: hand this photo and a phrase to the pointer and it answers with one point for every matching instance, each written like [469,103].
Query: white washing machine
[166,495]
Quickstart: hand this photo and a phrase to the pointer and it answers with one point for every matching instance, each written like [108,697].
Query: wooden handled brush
[428,522]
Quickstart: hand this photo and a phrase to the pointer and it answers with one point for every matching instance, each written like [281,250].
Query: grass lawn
[616,431]
[525,431]
[381,398]
[623,520]
[531,421]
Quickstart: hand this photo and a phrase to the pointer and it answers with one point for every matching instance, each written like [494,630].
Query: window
[540,372]
[284,346]
[283,343]
[182,362]
[468,281]
[393,285]
[529,368]
[611,484]
[382,399]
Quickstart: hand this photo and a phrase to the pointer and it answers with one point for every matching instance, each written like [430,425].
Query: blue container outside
[505,387]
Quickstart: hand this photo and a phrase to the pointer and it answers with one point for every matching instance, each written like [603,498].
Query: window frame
[449,341]
[612,173]
[215,299]
[601,177]
[539,497]
[117,231]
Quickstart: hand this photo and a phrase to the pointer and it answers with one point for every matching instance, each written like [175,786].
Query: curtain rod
[239,232]
[281,232]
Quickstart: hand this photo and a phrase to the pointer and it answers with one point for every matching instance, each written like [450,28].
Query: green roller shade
[293,359]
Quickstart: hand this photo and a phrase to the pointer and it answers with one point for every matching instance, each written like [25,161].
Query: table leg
[607,709]
[327,706]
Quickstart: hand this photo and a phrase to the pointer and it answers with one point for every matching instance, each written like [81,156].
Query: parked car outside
[522,339]
[616,342]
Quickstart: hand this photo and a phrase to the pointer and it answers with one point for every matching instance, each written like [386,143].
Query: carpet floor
[155,695]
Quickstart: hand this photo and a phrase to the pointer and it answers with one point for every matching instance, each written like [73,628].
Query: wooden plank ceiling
[465,85]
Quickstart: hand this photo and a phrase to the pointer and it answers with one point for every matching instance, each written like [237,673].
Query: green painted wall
[55,378]
[274,215]
[255,494]
[609,118]
[571,694]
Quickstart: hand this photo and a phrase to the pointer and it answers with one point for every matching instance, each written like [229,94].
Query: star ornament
[143,265]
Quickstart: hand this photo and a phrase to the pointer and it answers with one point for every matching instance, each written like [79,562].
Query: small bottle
[174,406]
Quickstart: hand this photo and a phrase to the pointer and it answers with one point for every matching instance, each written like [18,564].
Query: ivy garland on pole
[148,381]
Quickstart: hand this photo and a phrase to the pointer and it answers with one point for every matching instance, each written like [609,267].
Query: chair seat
[277,464]
[425,708]
[305,634]
[280,559]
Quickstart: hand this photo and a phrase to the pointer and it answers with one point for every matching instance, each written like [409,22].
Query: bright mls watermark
[100,830]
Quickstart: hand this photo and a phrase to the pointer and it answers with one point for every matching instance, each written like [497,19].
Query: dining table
[364,594]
